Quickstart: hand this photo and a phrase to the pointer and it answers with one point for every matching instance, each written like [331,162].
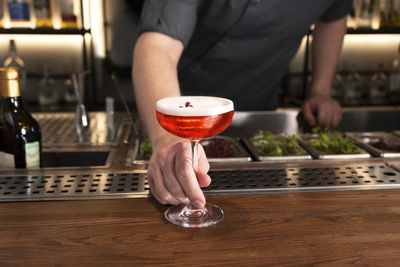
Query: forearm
[326,48]
[154,75]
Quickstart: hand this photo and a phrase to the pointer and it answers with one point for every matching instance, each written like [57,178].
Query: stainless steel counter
[289,121]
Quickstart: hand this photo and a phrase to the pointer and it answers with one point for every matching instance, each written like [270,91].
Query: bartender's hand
[322,111]
[171,176]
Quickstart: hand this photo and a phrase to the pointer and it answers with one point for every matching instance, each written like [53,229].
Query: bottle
[20,13]
[364,19]
[13,60]
[352,89]
[379,87]
[69,93]
[1,14]
[394,18]
[22,131]
[384,14]
[337,87]
[48,95]
[7,159]
[2,136]
[394,80]
[68,17]
[351,18]
[43,13]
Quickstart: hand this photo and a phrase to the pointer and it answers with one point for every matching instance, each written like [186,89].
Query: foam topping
[194,105]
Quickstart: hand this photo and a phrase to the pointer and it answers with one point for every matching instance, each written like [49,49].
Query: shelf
[388,30]
[42,31]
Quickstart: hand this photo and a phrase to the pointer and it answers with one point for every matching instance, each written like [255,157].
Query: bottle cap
[9,82]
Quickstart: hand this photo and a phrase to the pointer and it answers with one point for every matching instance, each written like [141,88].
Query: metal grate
[73,186]
[321,178]
[256,180]
[58,129]
[395,166]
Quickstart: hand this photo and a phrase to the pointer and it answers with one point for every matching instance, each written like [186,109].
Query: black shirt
[238,49]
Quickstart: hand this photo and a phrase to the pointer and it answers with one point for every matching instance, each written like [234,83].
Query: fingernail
[198,204]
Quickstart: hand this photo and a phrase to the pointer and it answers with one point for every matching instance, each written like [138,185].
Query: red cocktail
[195,128]
[194,118]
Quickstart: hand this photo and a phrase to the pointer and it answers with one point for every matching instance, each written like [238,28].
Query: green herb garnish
[276,145]
[331,142]
[146,148]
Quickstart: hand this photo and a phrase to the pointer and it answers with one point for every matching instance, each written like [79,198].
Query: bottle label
[6,160]
[32,155]
[19,11]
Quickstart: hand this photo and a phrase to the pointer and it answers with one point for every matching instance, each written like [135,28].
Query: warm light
[97,28]
[380,48]
[86,13]
[43,40]
[63,52]
[381,40]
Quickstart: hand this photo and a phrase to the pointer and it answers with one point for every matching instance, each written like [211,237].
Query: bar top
[286,229]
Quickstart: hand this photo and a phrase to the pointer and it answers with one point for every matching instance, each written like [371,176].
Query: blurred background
[50,39]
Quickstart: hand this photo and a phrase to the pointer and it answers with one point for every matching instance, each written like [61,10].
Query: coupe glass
[194,118]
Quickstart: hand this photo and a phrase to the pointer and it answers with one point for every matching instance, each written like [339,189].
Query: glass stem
[195,153]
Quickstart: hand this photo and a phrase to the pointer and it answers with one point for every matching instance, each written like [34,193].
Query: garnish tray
[240,154]
[367,139]
[318,154]
[260,156]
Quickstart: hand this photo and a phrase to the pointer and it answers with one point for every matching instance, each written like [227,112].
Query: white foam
[199,105]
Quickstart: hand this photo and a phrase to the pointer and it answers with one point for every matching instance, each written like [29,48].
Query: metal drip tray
[134,185]
[73,186]
[395,166]
[58,129]
[321,178]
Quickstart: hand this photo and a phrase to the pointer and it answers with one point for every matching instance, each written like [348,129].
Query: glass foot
[190,217]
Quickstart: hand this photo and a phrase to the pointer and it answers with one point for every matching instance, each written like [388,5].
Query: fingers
[308,113]
[157,187]
[170,181]
[172,178]
[186,176]
[324,117]
[328,112]
[203,179]
[203,165]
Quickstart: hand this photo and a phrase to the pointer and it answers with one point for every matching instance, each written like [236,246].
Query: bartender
[234,49]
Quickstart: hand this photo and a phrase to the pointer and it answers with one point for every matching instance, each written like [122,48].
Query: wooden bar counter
[341,228]
[360,228]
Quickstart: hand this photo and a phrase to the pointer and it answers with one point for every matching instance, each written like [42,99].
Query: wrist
[319,95]
[320,89]
[163,140]
[320,92]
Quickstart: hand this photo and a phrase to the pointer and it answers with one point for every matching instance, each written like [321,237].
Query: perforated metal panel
[58,129]
[73,186]
[322,178]
[95,185]
[395,166]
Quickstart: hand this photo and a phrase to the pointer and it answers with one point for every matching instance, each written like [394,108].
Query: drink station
[75,156]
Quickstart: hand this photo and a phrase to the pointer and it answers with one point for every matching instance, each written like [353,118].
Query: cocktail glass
[194,118]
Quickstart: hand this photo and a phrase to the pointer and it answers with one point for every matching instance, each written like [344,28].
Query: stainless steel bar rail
[108,185]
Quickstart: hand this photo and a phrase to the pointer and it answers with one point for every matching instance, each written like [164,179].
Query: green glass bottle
[21,130]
